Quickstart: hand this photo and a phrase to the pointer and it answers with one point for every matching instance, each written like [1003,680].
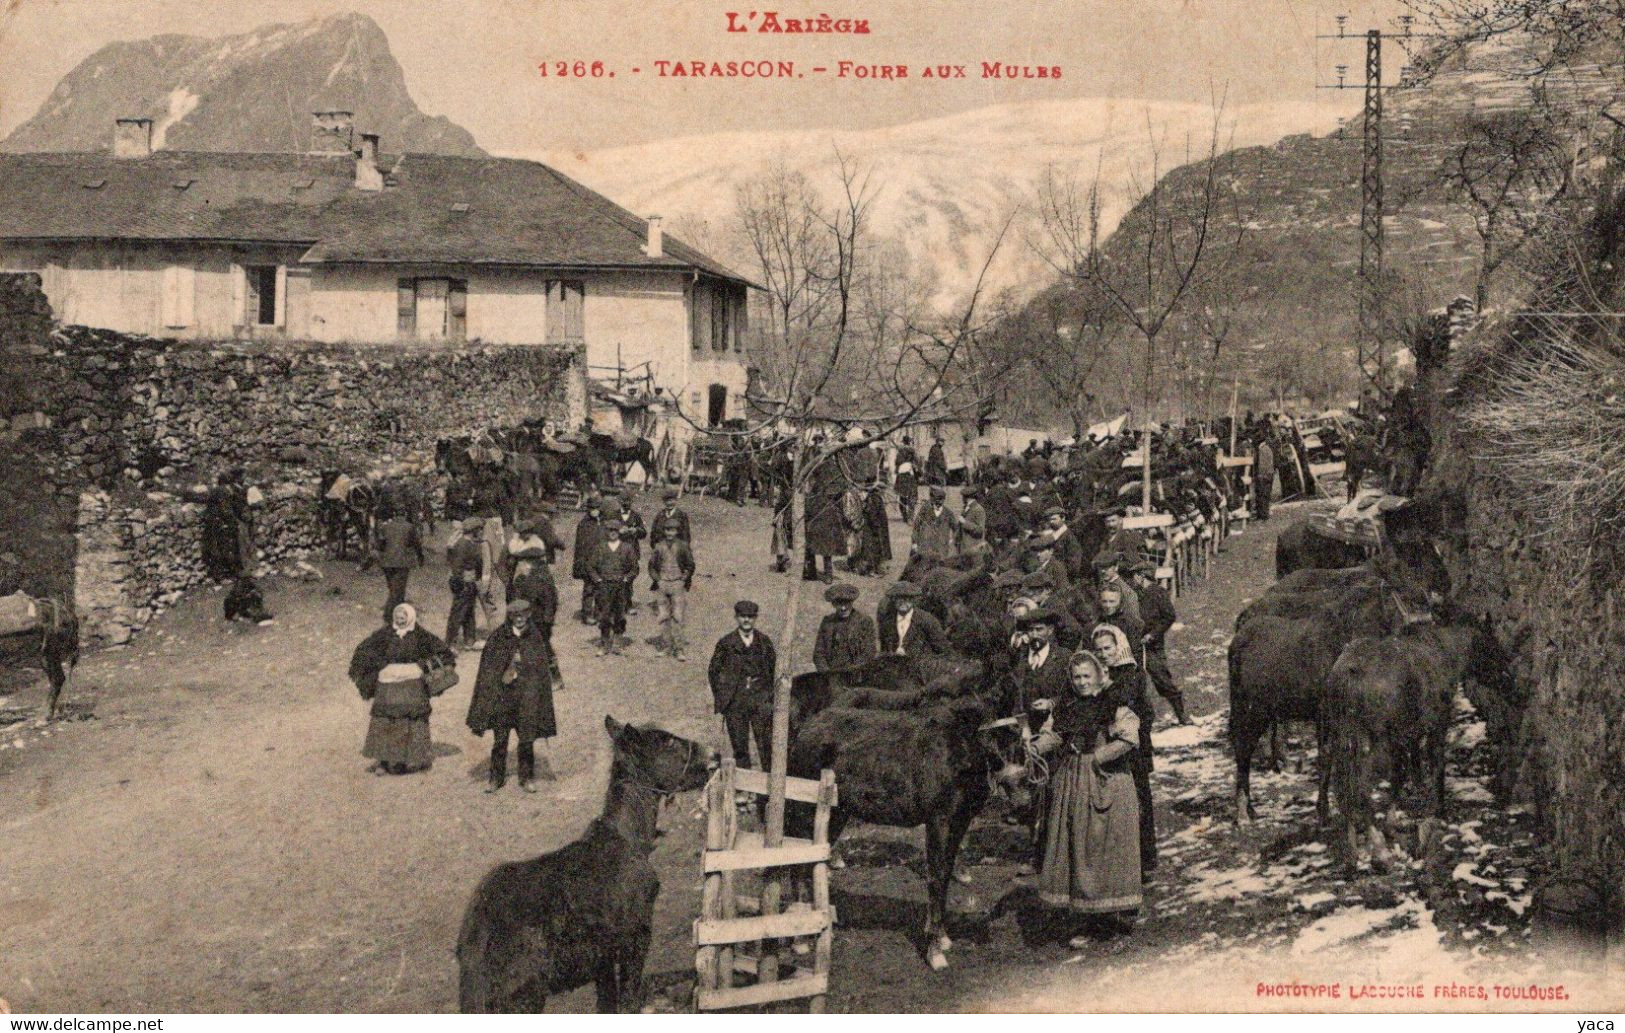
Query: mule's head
[663,761]
[1009,768]
[1416,575]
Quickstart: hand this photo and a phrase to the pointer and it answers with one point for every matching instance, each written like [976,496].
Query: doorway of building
[717,410]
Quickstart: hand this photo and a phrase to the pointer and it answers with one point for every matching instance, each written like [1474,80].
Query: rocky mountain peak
[250,92]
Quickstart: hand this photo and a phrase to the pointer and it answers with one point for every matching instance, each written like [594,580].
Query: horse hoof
[836,862]
[963,878]
[944,943]
[936,959]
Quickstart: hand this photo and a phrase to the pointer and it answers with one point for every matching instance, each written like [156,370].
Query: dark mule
[584,913]
[352,513]
[616,459]
[1278,665]
[1393,699]
[901,768]
[54,645]
[1302,547]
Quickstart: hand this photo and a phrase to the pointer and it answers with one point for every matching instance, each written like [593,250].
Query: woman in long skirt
[389,668]
[1092,843]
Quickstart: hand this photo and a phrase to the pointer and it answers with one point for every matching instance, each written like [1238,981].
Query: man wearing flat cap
[670,514]
[1068,548]
[1042,589]
[612,566]
[671,573]
[936,528]
[846,635]
[909,631]
[589,536]
[466,560]
[1158,610]
[513,695]
[743,666]
[633,532]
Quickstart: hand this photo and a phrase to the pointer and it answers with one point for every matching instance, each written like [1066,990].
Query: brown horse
[1392,699]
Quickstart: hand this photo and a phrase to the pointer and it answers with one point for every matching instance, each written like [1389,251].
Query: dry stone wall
[124,431]
[1559,735]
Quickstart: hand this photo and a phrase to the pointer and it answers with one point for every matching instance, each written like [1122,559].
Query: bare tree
[1509,170]
[1178,230]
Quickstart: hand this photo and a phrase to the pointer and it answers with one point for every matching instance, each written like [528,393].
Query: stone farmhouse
[349,245]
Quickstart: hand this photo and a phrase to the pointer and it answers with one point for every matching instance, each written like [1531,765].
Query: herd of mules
[1371,651]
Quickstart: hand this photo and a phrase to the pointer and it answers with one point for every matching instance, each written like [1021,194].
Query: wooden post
[773,819]
[1145,471]
[718,803]
[820,886]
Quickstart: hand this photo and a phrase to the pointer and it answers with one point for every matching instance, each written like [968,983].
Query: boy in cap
[1041,588]
[533,582]
[612,566]
[846,636]
[465,556]
[1068,549]
[671,574]
[743,666]
[589,535]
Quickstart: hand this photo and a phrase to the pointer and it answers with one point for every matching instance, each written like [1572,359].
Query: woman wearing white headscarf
[390,668]
[1091,844]
[1113,647]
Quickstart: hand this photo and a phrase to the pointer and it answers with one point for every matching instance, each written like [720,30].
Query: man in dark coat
[1071,620]
[533,582]
[670,514]
[1041,672]
[1003,512]
[589,535]
[1157,613]
[936,530]
[911,632]
[874,535]
[466,562]
[908,479]
[513,693]
[612,565]
[936,466]
[1263,476]
[846,636]
[743,666]
[972,515]
[633,532]
[399,549]
[1068,549]
[825,520]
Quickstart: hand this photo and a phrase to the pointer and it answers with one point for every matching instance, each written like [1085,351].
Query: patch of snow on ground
[1464,873]
[1470,790]
[1361,922]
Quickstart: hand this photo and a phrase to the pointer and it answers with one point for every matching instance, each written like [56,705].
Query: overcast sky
[474,61]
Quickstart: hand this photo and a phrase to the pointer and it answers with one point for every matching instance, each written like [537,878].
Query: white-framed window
[260,294]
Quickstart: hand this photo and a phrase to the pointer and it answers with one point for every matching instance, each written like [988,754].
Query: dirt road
[205,836]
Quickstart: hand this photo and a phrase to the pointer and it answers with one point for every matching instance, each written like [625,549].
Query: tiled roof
[435,209]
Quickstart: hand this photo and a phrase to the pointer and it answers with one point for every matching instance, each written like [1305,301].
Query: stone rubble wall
[129,430]
[1557,736]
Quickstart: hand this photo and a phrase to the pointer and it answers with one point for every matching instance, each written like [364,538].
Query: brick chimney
[331,132]
[132,137]
[367,174]
[656,247]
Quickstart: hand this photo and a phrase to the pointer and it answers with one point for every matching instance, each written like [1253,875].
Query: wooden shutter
[457,310]
[239,295]
[280,300]
[406,307]
[180,288]
[719,320]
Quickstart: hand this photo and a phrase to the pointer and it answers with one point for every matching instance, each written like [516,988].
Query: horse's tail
[474,955]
